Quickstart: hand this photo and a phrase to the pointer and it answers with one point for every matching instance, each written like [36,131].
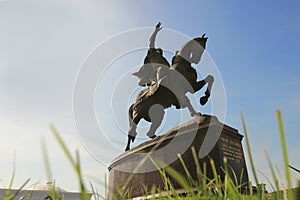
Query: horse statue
[168,88]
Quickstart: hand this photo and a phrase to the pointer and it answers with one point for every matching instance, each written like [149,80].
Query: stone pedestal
[134,171]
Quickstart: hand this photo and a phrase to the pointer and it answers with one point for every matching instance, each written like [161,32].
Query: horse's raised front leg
[133,121]
[198,86]
[209,80]
[156,114]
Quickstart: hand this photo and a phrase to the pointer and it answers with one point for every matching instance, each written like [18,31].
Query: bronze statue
[168,88]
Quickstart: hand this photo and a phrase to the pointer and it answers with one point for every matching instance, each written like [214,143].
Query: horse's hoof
[127,149]
[152,136]
[203,100]
[209,79]
[196,114]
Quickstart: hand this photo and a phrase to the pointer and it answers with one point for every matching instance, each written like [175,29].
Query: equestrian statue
[167,85]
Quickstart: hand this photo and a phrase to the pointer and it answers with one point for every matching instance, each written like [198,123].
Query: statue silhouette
[169,87]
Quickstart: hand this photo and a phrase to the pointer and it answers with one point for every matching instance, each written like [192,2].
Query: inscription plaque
[231,149]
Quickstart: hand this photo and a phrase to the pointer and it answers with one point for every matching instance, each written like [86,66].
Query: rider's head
[159,51]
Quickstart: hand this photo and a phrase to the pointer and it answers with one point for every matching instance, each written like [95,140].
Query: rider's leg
[156,114]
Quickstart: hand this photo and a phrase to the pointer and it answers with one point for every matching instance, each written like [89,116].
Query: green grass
[202,188]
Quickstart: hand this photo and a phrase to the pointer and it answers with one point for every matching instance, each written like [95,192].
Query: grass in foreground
[202,188]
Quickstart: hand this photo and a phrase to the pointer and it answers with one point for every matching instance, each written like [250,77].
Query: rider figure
[152,62]
[155,55]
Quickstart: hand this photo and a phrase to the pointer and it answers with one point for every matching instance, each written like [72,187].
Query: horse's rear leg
[156,114]
[133,121]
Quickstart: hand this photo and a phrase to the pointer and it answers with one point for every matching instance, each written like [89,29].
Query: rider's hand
[158,27]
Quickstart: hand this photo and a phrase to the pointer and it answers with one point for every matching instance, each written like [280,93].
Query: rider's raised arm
[153,36]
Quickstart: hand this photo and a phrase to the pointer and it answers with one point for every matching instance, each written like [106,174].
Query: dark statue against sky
[167,85]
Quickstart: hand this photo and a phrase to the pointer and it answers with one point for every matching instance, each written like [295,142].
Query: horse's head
[193,49]
[200,43]
[201,40]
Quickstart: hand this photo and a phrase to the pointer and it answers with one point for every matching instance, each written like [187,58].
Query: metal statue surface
[167,85]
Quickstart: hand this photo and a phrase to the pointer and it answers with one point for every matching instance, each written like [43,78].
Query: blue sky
[255,46]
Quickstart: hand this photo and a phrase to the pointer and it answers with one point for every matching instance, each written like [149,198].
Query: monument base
[136,171]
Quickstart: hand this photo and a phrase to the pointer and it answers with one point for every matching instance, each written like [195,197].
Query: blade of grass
[95,193]
[298,190]
[205,180]
[105,188]
[233,192]
[75,163]
[226,177]
[186,170]
[53,192]
[214,171]
[46,161]
[275,179]
[249,152]
[202,187]
[216,178]
[234,176]
[83,191]
[250,189]
[13,196]
[179,178]
[230,189]
[12,176]
[285,154]
[63,146]
[166,180]
[198,168]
